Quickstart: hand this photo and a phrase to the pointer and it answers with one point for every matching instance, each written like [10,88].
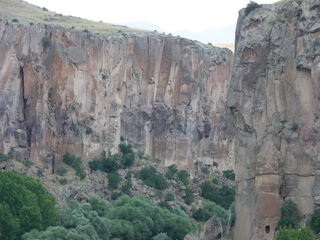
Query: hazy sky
[170,15]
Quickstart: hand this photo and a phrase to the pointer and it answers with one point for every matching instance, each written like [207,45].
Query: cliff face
[165,95]
[274,96]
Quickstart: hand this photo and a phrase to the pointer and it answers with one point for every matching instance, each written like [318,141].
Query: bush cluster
[290,215]
[181,175]
[75,163]
[223,196]
[189,196]
[304,233]
[112,162]
[150,178]
[209,209]
[24,205]
[229,174]
[5,157]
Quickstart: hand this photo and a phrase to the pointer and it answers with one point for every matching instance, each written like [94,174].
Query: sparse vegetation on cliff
[251,6]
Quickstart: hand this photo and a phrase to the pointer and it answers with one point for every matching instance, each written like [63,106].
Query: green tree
[183,176]
[150,178]
[304,233]
[114,179]
[290,215]
[223,196]
[26,204]
[189,196]
[137,219]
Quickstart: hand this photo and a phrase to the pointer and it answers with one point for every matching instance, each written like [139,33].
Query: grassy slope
[25,12]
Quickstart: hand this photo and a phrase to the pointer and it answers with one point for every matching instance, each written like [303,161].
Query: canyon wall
[65,90]
[274,95]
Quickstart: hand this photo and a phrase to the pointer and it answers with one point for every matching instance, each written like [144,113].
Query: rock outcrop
[274,96]
[65,90]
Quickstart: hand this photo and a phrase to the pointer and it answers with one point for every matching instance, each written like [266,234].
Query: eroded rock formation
[274,96]
[65,90]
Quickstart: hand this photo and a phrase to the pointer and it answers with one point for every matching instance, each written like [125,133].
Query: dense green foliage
[304,233]
[172,170]
[62,171]
[5,157]
[315,221]
[229,174]
[223,196]
[169,197]
[189,196]
[290,215]
[209,209]
[183,176]
[150,178]
[114,179]
[24,205]
[87,221]
[251,6]
[128,219]
[137,219]
[112,162]
[75,163]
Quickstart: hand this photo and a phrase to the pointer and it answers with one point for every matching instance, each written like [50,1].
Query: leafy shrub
[250,7]
[114,179]
[229,174]
[290,215]
[75,163]
[223,196]
[15,20]
[112,162]
[215,181]
[46,42]
[189,196]
[122,138]
[209,209]
[127,158]
[136,218]
[152,179]
[5,157]
[27,163]
[62,171]
[183,176]
[165,205]
[315,221]
[204,170]
[115,195]
[169,197]
[63,181]
[294,127]
[172,170]
[304,233]
[24,205]
[86,30]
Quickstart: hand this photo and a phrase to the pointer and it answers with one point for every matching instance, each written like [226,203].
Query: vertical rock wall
[274,96]
[165,95]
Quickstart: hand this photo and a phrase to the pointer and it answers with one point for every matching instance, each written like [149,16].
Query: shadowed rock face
[274,95]
[165,95]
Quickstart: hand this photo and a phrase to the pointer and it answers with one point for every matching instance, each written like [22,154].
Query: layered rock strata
[65,90]
[274,96]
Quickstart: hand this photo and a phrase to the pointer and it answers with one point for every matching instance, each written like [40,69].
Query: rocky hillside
[65,90]
[274,97]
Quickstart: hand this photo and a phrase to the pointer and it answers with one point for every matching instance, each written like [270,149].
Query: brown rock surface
[274,96]
[165,95]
